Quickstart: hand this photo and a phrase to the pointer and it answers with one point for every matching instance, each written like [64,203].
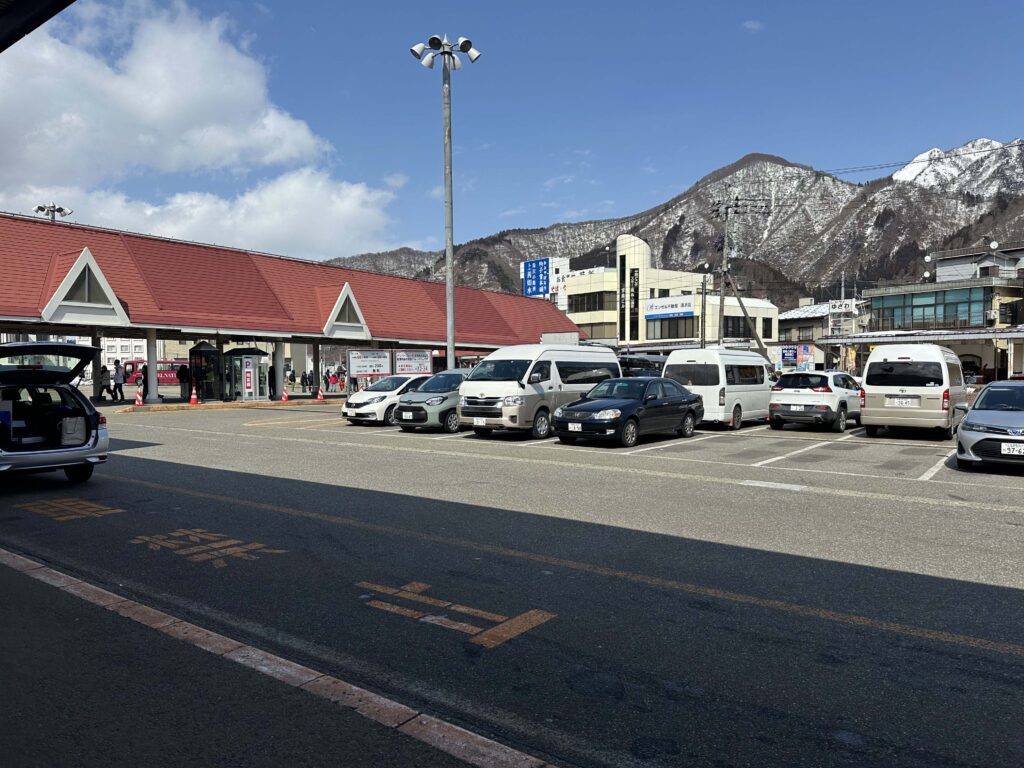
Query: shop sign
[669,306]
[369,362]
[842,306]
[536,277]
[789,355]
[247,362]
[413,361]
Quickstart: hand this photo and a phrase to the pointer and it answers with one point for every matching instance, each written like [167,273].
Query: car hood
[1005,419]
[422,397]
[361,397]
[593,406]
[39,363]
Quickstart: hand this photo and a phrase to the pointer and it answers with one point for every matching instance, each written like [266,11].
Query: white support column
[151,360]
[278,359]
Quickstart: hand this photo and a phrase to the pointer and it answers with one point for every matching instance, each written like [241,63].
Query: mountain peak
[981,166]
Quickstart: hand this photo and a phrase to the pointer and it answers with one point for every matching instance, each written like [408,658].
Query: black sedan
[624,409]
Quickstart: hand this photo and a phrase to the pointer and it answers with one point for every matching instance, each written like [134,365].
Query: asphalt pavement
[754,598]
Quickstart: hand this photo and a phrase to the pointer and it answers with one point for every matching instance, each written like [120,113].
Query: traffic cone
[194,400]
[138,396]
[284,394]
[320,393]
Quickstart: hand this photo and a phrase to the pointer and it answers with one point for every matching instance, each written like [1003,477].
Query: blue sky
[307,128]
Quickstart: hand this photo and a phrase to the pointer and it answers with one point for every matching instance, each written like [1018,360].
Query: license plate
[348,413]
[1011,449]
[406,415]
[902,402]
[575,427]
[479,421]
[796,407]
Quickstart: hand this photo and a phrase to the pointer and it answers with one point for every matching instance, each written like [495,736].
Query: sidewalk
[177,404]
[84,686]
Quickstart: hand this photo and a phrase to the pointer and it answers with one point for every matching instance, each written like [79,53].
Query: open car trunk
[40,418]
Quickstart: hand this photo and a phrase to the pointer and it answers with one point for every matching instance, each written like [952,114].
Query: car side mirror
[962,407]
[535,378]
[650,397]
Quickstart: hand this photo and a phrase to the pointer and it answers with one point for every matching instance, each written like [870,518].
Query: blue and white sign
[789,354]
[536,278]
[669,306]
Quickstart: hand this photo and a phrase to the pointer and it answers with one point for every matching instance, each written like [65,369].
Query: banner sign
[536,278]
[669,306]
[416,361]
[369,362]
[789,354]
[842,306]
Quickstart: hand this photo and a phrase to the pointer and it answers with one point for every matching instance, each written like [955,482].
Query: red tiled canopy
[170,283]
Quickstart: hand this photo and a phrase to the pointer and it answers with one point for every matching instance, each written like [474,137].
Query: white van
[520,387]
[734,383]
[912,385]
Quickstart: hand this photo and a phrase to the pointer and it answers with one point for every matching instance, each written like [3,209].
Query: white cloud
[436,193]
[396,180]
[753,25]
[512,212]
[556,181]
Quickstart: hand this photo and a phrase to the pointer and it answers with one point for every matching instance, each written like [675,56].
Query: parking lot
[737,598]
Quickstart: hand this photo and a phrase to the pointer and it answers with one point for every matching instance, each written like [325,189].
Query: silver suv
[46,424]
[434,404]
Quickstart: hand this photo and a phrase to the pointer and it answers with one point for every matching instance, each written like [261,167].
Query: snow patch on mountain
[983,167]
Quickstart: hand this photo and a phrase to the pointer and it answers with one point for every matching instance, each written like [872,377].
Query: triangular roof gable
[335,328]
[61,309]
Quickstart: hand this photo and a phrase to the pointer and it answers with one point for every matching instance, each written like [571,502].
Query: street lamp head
[456,64]
[435,42]
[428,60]
[40,209]
[463,44]
[928,259]
[473,54]
[417,50]
[926,275]
[64,211]
[993,245]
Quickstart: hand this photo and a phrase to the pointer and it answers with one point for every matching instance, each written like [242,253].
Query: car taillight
[821,389]
[945,400]
[103,420]
[776,388]
[721,397]
[862,397]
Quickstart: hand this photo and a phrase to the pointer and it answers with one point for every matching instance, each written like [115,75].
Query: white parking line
[787,455]
[776,486]
[932,471]
[449,437]
[669,443]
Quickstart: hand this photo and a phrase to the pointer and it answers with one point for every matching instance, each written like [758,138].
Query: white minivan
[735,383]
[912,385]
[520,387]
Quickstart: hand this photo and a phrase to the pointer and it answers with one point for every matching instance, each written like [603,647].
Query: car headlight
[559,411]
[462,402]
[434,401]
[609,413]
[513,400]
[372,400]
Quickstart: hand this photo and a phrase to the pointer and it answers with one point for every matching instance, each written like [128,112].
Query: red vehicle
[166,371]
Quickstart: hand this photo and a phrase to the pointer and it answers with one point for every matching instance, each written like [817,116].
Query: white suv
[814,397]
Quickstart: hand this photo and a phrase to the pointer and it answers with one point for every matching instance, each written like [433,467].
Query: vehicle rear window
[904,373]
[801,381]
[693,374]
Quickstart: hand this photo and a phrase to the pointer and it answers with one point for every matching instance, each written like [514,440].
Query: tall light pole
[52,210]
[441,47]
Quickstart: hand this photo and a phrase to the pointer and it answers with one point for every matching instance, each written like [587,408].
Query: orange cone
[194,400]
[320,393]
[284,394]
[138,396]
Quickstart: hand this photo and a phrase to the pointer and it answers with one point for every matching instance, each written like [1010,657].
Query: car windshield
[801,381]
[442,382]
[693,374]
[904,373]
[388,384]
[500,370]
[995,398]
[618,389]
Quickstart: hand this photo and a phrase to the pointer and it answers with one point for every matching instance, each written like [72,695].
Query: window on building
[125,348]
[86,289]
[662,293]
[672,328]
[959,308]
[598,301]
[805,333]
[598,330]
[736,328]
[766,328]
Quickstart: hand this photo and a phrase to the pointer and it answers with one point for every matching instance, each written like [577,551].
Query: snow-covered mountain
[803,228]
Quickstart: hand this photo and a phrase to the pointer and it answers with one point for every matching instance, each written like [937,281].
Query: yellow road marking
[515,626]
[63,510]
[458,626]
[415,586]
[907,630]
[476,612]
[408,612]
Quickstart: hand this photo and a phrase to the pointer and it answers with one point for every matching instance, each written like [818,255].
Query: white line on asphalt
[932,471]
[449,437]
[669,444]
[535,443]
[776,486]
[787,455]
[847,436]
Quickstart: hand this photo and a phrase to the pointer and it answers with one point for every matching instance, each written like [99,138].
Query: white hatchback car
[814,397]
[377,402]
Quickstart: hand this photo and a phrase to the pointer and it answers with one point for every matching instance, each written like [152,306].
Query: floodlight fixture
[417,50]
[428,60]
[928,259]
[435,42]
[463,44]
[473,55]
[53,210]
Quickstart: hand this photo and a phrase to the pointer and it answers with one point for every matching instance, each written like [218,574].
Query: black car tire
[630,433]
[839,422]
[871,430]
[947,432]
[389,416]
[79,473]
[567,439]
[353,422]
[776,423]
[688,425]
[541,425]
[450,422]
[737,418]
[405,428]
[482,431]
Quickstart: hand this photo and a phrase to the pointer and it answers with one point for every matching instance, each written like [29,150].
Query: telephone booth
[246,374]
[205,370]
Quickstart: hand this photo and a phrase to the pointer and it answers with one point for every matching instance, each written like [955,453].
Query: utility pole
[721,209]
[842,319]
[703,309]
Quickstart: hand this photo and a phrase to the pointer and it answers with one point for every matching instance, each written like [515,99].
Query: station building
[62,280]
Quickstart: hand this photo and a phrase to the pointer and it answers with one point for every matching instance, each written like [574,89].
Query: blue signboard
[789,354]
[536,280]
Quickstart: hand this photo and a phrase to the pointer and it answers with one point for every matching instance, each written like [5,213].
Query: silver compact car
[46,424]
[434,404]
[993,429]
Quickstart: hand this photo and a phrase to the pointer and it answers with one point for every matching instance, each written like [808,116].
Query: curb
[464,745]
[223,406]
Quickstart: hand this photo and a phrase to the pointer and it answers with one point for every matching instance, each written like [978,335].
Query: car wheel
[737,418]
[353,422]
[965,464]
[78,473]
[871,430]
[947,432]
[776,423]
[566,439]
[687,427]
[406,429]
[482,431]
[450,422]
[630,434]
[389,416]
[541,425]
[839,422]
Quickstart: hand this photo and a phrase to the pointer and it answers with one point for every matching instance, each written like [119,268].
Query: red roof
[162,282]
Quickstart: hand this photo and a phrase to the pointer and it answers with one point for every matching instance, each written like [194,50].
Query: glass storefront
[962,308]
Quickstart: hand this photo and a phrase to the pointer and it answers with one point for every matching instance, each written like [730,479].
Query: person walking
[291,380]
[272,382]
[303,381]
[118,394]
[145,382]
[183,381]
[105,383]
